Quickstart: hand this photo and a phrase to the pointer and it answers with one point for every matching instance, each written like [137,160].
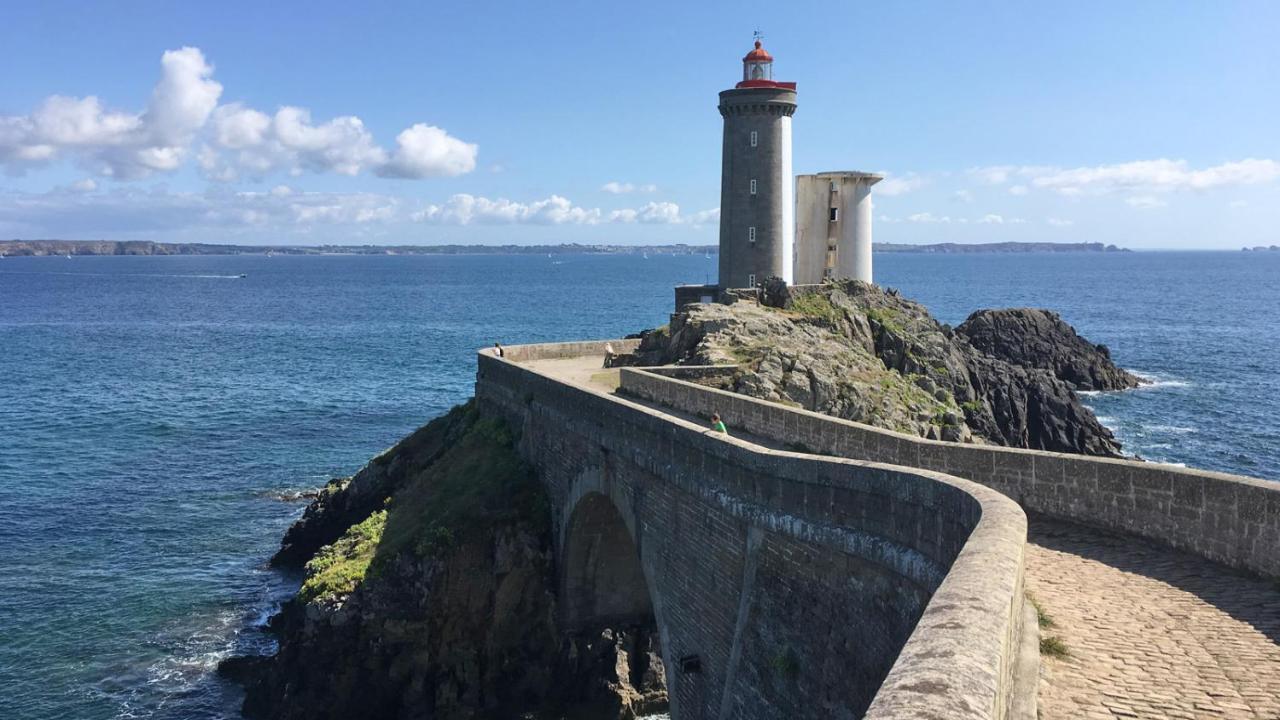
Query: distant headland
[18,248]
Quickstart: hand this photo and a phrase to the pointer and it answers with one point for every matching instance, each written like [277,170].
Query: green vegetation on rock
[476,484]
[338,568]
[817,306]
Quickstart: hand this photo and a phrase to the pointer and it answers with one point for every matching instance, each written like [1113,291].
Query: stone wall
[1229,519]
[805,586]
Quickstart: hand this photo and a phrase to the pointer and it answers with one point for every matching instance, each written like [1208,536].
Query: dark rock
[856,351]
[1041,339]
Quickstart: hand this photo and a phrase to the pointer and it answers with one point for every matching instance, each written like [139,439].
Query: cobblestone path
[1150,632]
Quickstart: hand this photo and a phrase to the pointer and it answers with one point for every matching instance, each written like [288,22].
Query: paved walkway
[1150,632]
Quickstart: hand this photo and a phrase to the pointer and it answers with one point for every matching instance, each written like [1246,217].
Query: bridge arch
[605,581]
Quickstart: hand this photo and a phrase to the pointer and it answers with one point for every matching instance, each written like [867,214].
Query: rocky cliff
[1041,339]
[429,593]
[862,353]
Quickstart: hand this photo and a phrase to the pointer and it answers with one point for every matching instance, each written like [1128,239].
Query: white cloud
[928,218]
[1018,190]
[991,219]
[428,151]
[963,196]
[1141,176]
[1059,222]
[129,209]
[237,139]
[464,209]
[1145,202]
[85,185]
[705,217]
[993,175]
[621,188]
[893,186]
[113,143]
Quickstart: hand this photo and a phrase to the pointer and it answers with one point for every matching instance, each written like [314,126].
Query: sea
[161,418]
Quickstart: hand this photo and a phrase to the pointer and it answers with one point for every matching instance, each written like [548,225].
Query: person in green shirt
[717,424]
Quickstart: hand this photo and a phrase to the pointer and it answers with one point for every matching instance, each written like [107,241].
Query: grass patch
[477,484]
[816,306]
[1053,646]
[887,319]
[1043,619]
[338,568]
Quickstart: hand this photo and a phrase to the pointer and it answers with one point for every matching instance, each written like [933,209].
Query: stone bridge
[805,566]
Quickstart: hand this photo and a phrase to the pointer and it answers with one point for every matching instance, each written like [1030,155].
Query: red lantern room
[757,70]
[758,64]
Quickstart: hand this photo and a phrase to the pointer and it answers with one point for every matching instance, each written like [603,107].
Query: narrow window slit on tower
[755,138]
[753,186]
[835,214]
[751,234]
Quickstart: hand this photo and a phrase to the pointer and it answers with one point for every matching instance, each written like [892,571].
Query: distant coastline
[20,248]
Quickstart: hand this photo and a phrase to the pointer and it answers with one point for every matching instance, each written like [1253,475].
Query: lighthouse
[757,206]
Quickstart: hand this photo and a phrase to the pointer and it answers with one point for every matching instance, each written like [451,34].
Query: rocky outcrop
[1035,338]
[869,355]
[430,592]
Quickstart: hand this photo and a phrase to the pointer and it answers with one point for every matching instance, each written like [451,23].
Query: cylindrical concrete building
[833,226]
[757,224]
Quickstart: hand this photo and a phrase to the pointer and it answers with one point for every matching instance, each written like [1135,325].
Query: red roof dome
[758,55]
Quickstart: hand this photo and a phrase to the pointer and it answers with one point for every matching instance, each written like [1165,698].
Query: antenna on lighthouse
[758,35]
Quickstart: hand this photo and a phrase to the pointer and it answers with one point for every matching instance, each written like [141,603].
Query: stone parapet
[1229,519]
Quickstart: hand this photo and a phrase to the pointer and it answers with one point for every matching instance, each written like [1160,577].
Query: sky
[1143,124]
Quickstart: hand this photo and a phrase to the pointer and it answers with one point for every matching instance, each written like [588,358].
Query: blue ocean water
[158,412]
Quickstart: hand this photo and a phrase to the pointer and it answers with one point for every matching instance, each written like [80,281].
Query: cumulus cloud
[1018,190]
[1059,222]
[233,139]
[1141,176]
[114,143]
[621,188]
[426,151]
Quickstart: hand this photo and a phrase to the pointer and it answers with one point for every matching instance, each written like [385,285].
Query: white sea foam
[1155,381]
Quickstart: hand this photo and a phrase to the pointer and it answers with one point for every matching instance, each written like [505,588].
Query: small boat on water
[242,276]
[68,256]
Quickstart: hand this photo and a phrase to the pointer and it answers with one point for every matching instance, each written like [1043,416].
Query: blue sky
[1145,124]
